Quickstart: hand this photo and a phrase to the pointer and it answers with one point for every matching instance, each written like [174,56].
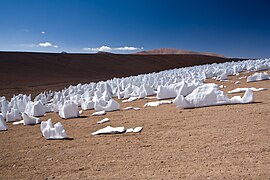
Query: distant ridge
[103,52]
[160,51]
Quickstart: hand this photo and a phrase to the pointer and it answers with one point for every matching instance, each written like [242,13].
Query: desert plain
[217,142]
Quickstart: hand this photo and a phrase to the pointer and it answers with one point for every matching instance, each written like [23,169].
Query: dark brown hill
[24,72]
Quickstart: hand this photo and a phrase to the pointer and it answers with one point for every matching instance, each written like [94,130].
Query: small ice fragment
[103,121]
[243,77]
[128,108]
[222,86]
[18,122]
[98,113]
[129,130]
[151,97]
[157,103]
[130,99]
[137,129]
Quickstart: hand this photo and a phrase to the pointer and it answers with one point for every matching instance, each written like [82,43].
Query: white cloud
[126,48]
[47,44]
[109,49]
[42,44]
[43,32]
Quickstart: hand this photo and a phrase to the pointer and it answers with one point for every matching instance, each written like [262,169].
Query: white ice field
[185,85]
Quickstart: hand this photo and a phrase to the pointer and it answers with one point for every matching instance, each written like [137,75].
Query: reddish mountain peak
[176,51]
[103,52]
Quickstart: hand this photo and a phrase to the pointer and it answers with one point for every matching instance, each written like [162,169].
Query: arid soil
[32,73]
[218,142]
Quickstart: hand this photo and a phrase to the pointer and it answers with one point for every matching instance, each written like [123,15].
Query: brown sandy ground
[218,142]
[32,73]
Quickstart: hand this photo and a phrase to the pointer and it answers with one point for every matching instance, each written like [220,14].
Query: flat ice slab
[103,121]
[18,122]
[238,90]
[117,130]
[127,108]
[110,130]
[130,108]
[157,103]
[130,99]
[137,129]
[99,113]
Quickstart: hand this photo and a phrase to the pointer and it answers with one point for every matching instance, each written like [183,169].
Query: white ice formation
[87,104]
[3,125]
[53,132]
[111,105]
[69,110]
[209,95]
[35,108]
[13,114]
[175,83]
[258,77]
[30,120]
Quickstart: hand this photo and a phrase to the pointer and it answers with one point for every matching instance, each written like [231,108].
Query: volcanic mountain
[160,51]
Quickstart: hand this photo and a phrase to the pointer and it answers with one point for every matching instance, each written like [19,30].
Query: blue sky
[233,28]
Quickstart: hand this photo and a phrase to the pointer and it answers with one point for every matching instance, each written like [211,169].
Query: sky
[229,27]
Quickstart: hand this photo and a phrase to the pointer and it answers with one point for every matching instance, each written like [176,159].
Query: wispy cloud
[47,44]
[110,49]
